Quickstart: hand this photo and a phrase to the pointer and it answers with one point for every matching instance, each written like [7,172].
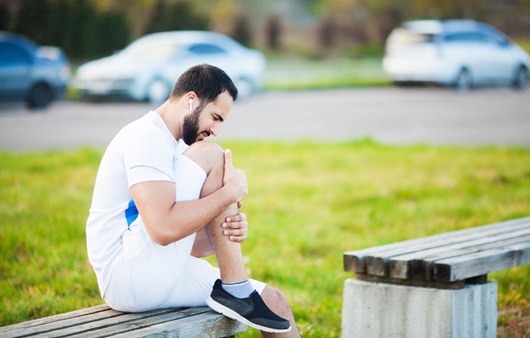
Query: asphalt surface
[487,116]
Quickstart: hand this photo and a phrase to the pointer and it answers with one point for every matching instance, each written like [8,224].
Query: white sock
[241,289]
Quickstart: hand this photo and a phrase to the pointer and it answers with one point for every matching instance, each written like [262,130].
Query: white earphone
[190,101]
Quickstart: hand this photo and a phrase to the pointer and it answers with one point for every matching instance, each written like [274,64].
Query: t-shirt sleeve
[148,158]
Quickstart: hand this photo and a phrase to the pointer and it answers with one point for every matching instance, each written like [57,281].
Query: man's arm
[168,221]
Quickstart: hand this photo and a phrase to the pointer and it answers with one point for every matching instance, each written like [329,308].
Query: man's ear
[190,98]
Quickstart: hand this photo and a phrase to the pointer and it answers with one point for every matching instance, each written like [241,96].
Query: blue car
[36,75]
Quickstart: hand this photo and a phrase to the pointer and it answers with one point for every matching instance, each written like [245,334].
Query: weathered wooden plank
[72,323]
[479,263]
[208,324]
[116,324]
[133,323]
[356,261]
[417,265]
[425,269]
[101,321]
[378,264]
[63,316]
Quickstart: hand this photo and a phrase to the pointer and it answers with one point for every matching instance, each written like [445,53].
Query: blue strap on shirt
[131,213]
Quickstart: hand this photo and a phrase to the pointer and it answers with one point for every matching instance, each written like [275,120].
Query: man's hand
[234,178]
[236,227]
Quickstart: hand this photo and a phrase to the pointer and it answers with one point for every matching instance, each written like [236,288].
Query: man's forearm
[168,221]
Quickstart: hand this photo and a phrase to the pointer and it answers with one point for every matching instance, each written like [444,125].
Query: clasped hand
[236,227]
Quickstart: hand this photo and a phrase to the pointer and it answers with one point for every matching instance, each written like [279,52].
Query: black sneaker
[251,311]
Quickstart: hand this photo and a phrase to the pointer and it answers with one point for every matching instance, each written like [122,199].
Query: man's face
[205,120]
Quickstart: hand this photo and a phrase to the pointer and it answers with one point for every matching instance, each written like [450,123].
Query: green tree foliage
[33,20]
[175,16]
[113,32]
[76,26]
[242,30]
[508,15]
[92,28]
[5,18]
[81,22]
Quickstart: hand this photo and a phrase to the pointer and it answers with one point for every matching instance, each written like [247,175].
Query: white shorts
[148,276]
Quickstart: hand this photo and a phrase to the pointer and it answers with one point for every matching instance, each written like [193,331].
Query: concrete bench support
[373,309]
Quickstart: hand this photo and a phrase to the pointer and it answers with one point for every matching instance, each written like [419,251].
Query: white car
[148,68]
[460,53]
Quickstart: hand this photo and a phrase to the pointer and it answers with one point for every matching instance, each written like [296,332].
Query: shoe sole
[234,315]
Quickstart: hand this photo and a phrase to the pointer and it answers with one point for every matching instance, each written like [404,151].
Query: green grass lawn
[308,203]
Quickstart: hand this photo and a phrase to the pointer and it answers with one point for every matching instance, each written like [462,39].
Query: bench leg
[387,310]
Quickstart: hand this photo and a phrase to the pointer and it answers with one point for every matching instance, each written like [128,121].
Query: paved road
[491,116]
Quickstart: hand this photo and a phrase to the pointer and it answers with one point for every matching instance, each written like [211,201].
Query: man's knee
[276,300]
[207,155]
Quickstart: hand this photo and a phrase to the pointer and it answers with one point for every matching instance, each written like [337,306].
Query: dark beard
[190,129]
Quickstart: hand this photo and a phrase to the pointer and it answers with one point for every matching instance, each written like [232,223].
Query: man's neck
[171,118]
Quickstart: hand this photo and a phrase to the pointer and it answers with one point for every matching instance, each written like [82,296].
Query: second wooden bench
[434,286]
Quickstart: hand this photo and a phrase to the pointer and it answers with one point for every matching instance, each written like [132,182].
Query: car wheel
[463,81]
[157,92]
[39,96]
[244,88]
[520,80]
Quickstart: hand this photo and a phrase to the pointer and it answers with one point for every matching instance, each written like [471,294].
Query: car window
[404,37]
[459,37]
[49,53]
[151,51]
[12,55]
[206,48]
[470,37]
[486,38]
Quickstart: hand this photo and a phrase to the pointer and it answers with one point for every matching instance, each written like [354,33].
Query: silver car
[148,68]
[461,53]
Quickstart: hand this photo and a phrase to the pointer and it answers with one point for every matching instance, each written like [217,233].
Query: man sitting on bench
[162,200]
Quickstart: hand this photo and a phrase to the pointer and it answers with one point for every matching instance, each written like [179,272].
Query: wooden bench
[450,261]
[101,321]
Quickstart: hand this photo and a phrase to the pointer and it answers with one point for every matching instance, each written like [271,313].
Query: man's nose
[215,129]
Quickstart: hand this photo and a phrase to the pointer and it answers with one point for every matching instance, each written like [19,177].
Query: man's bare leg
[229,254]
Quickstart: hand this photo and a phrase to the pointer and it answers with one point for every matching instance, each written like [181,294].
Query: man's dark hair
[206,81]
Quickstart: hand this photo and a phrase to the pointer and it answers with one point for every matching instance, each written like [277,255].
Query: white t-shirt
[144,150]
